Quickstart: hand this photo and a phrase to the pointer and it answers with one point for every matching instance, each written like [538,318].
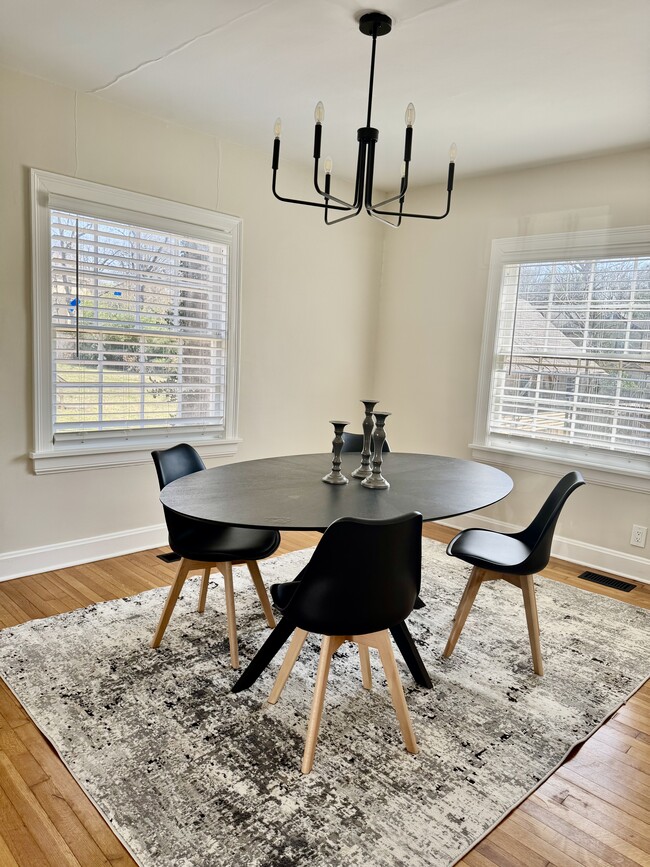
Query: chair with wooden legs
[512,557]
[204,546]
[362,579]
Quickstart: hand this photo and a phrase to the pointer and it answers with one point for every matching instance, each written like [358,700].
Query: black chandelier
[372,24]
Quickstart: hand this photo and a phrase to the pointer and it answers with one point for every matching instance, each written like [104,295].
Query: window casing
[565,368]
[136,304]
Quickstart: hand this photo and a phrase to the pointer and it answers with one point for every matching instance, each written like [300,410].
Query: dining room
[380,594]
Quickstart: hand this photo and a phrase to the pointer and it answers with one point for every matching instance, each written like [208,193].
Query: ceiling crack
[175,50]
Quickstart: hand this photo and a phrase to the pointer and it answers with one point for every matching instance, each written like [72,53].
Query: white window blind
[572,353]
[139,323]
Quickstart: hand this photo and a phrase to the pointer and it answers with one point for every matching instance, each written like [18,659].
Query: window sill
[635,476]
[86,457]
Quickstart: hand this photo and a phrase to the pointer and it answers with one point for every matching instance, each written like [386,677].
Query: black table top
[287,493]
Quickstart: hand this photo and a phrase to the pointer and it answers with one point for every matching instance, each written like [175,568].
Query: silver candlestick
[336,477]
[376,480]
[363,471]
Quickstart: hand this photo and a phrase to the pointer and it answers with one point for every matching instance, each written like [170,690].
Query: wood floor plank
[94,823]
[601,749]
[17,838]
[607,792]
[594,810]
[34,817]
[67,823]
[585,805]
[537,823]
[607,845]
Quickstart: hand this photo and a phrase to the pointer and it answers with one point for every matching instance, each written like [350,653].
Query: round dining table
[287,493]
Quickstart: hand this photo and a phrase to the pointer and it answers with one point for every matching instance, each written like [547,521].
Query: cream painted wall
[298,277]
[418,349]
[431,320]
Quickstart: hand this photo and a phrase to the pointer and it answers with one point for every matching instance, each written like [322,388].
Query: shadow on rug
[190,775]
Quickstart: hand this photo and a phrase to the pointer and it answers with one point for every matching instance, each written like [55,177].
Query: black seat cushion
[489,550]
[282,594]
[217,543]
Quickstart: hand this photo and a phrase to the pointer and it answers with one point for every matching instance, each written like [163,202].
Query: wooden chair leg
[366,673]
[226,569]
[174,591]
[396,691]
[290,658]
[330,645]
[204,589]
[462,600]
[254,569]
[530,605]
[466,602]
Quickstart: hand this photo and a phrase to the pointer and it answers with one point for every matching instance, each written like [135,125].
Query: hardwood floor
[594,811]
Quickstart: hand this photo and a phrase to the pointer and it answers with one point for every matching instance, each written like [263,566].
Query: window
[136,304]
[566,355]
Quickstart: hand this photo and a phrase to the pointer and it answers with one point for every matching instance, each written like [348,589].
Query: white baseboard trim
[590,556]
[32,561]
[46,558]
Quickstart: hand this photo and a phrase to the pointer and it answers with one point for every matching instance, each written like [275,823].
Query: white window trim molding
[600,466]
[48,188]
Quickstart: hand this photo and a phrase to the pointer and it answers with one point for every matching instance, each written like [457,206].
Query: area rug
[190,775]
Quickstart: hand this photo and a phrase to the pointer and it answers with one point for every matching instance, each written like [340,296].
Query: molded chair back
[363,577]
[538,536]
[172,464]
[353,442]
[176,462]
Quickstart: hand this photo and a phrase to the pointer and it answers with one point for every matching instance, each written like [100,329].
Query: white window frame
[620,470]
[50,190]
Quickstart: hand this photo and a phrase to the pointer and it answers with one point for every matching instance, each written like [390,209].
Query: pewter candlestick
[363,471]
[376,480]
[336,477]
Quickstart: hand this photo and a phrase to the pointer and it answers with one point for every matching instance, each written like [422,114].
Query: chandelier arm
[357,191]
[374,211]
[340,219]
[386,222]
[328,196]
[302,201]
[399,196]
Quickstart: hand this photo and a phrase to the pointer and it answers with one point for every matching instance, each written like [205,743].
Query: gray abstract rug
[190,775]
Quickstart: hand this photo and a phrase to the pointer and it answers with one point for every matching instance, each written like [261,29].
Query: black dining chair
[513,557]
[363,578]
[204,546]
[353,442]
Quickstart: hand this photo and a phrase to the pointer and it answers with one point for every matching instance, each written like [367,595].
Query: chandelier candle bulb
[277,129]
[328,165]
[409,116]
[319,114]
[452,167]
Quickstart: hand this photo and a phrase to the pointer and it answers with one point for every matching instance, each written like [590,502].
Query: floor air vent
[614,583]
[169,558]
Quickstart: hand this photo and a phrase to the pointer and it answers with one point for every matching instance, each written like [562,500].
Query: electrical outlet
[638,536]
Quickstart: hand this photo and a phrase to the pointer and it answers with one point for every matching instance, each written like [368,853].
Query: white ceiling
[513,82]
